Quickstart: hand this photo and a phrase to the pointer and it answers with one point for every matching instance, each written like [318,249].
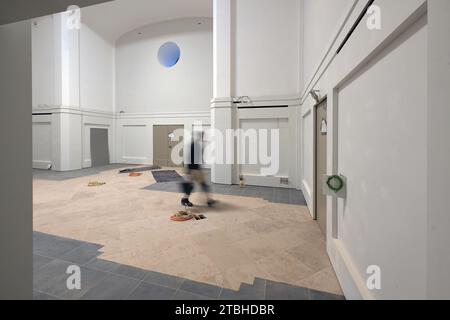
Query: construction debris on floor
[135,174]
[139,169]
[96,184]
[183,216]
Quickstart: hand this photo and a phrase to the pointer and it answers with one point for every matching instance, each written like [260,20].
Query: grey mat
[167,176]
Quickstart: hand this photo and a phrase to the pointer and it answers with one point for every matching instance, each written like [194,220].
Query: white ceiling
[116,18]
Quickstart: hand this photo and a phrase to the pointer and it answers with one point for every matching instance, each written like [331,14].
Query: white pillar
[222,106]
[67,121]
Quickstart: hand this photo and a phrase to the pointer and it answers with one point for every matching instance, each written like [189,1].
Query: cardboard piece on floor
[96,184]
[135,174]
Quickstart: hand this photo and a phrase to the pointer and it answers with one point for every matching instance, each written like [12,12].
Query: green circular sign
[335,183]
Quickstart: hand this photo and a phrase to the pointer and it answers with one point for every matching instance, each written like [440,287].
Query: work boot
[186,203]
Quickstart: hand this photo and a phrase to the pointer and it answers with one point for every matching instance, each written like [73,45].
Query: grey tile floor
[274,195]
[105,280]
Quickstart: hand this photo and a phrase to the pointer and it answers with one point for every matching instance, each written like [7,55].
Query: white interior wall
[368,130]
[73,80]
[149,94]
[97,88]
[257,54]
[322,20]
[96,71]
[134,133]
[143,85]
[168,93]
[43,44]
[266,48]
[381,144]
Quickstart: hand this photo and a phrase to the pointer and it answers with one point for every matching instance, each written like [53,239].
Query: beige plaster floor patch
[241,239]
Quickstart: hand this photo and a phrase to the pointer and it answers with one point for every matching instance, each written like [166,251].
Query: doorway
[163,144]
[321,130]
[99,147]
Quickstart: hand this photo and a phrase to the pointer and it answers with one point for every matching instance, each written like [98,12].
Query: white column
[222,106]
[67,123]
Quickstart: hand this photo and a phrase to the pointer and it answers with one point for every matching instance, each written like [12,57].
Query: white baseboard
[131,160]
[352,284]
[87,163]
[43,165]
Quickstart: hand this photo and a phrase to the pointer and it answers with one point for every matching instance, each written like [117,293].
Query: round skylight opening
[169,54]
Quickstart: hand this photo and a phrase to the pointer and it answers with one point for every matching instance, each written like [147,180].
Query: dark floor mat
[167,176]
[141,169]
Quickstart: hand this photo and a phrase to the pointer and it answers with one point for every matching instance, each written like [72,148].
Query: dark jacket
[195,156]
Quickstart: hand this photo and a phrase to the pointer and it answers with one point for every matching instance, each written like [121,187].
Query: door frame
[316,182]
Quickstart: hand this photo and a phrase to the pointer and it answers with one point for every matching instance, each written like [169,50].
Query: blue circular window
[169,54]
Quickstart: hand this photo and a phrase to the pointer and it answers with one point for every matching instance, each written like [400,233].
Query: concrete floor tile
[201,289]
[131,272]
[112,287]
[147,291]
[318,295]
[282,291]
[52,280]
[82,254]
[51,246]
[163,280]
[324,280]
[39,296]
[40,261]
[255,291]
[188,296]
[102,265]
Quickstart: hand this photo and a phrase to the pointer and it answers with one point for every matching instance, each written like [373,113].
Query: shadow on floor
[106,280]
